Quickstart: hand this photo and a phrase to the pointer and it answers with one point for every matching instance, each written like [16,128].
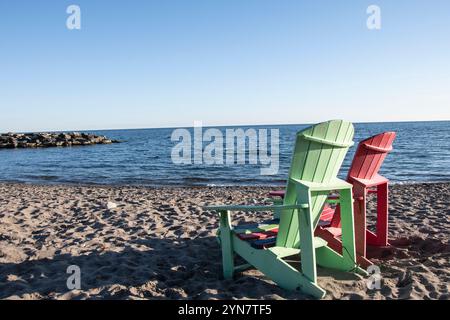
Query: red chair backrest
[370,155]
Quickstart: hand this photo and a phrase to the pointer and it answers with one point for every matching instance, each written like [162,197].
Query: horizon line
[219,126]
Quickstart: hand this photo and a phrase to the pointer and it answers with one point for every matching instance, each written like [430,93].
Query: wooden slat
[337,155]
[377,156]
[309,167]
[358,160]
[293,230]
[325,155]
[386,143]
[300,153]
[315,149]
[286,218]
[290,221]
[369,158]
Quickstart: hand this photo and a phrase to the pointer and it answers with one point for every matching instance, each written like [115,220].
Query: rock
[13,142]
[64,136]
[43,139]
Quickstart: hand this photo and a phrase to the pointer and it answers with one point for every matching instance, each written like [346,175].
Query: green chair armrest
[336,184]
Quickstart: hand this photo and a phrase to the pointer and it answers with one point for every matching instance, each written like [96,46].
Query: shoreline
[187,186]
[158,243]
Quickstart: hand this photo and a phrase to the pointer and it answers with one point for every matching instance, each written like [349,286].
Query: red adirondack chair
[363,174]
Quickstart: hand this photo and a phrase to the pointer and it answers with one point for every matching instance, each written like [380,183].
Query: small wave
[195,179]
[42,177]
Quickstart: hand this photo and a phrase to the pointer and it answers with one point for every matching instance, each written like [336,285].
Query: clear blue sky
[164,63]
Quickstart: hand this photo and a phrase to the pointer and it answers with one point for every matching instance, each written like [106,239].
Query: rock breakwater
[36,140]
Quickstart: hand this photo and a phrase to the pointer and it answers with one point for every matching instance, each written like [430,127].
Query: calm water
[421,153]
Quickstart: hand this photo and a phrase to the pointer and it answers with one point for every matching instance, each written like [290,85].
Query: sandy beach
[159,244]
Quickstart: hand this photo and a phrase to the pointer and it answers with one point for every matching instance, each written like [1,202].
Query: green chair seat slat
[286,252]
[319,242]
[259,228]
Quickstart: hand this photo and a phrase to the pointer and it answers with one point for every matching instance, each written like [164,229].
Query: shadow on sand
[160,269]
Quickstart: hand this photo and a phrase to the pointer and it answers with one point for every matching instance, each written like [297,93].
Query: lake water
[421,154]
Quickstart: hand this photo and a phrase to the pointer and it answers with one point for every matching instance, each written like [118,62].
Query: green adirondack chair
[318,155]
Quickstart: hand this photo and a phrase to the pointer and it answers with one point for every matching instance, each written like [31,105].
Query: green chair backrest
[318,155]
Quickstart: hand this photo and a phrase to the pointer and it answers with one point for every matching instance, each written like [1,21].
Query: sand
[159,244]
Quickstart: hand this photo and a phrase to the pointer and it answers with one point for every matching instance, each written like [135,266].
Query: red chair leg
[360,219]
[382,215]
